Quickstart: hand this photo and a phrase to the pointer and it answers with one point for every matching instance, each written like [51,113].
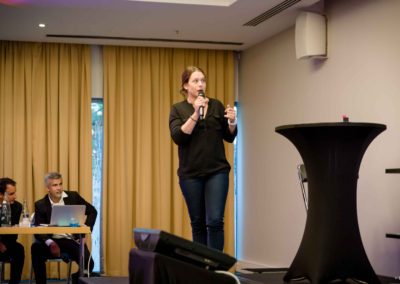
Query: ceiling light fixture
[41,25]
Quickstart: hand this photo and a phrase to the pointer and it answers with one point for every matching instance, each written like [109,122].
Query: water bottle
[5,219]
[25,215]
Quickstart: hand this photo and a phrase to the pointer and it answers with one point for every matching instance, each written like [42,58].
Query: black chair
[2,267]
[301,171]
[64,258]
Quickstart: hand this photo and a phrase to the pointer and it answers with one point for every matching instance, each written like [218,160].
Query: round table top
[331,124]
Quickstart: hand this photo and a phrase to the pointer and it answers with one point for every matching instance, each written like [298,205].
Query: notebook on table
[68,215]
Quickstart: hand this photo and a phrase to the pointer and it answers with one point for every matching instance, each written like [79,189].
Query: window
[97,172]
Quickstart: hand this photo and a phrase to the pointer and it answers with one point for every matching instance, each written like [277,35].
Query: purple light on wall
[13,2]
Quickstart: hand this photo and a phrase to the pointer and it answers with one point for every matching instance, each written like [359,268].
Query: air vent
[271,12]
[145,39]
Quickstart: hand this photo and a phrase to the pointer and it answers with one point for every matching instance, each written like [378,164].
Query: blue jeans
[205,198]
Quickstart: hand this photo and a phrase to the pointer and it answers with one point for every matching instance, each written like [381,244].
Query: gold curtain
[140,184]
[45,118]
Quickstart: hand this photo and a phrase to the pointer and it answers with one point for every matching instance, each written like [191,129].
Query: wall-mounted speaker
[310,36]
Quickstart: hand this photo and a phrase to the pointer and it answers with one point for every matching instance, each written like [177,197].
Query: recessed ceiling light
[193,2]
[41,25]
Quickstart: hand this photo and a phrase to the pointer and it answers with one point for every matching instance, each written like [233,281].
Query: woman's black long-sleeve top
[202,152]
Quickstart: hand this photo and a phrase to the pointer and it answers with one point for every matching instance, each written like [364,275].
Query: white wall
[97,71]
[361,78]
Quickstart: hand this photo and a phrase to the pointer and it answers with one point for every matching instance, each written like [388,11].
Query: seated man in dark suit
[50,246]
[10,249]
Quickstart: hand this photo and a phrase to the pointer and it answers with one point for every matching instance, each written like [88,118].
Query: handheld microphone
[201,109]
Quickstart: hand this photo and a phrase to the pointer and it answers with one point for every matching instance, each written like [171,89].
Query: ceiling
[211,24]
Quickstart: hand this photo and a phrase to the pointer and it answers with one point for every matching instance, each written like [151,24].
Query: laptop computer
[68,215]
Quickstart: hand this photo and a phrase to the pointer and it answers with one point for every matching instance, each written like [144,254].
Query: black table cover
[331,247]
[147,267]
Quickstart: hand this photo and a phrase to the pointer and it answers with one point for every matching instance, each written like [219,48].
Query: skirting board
[243,265]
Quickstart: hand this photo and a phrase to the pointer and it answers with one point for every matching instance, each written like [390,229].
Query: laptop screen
[68,215]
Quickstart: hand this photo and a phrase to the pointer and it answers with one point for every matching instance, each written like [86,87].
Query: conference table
[331,247]
[81,231]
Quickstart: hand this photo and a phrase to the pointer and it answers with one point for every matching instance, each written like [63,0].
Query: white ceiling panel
[144,23]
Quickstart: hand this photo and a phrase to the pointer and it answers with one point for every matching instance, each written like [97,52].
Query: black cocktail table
[331,247]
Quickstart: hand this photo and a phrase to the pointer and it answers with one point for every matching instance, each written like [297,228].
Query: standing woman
[198,125]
